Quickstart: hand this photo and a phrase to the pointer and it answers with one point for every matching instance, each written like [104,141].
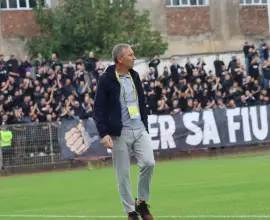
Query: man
[5,145]
[175,70]
[246,48]
[232,66]
[264,51]
[55,63]
[13,68]
[3,69]
[189,68]
[90,64]
[154,63]
[121,119]
[218,66]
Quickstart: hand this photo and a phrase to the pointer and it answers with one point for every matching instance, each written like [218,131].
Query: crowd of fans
[55,90]
[190,88]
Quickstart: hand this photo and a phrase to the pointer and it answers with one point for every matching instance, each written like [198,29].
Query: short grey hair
[118,50]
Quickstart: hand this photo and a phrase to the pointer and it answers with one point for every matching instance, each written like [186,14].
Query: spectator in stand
[154,63]
[218,66]
[246,50]
[24,66]
[55,63]
[200,66]
[98,71]
[151,74]
[90,64]
[239,71]
[39,63]
[189,68]
[264,51]
[249,58]
[254,67]
[13,68]
[165,77]
[266,73]
[175,71]
[78,62]
[3,69]
[162,108]
[232,65]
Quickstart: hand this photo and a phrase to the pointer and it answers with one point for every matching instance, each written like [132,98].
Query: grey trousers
[139,143]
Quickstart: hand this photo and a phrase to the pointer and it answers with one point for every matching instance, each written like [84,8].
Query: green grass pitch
[225,187]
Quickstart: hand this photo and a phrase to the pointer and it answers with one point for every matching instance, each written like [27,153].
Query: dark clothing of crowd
[57,91]
[190,88]
[54,93]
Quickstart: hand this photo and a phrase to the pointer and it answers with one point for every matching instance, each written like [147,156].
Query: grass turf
[219,186]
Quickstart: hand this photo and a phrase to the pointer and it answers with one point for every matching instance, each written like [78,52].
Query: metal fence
[32,144]
[35,145]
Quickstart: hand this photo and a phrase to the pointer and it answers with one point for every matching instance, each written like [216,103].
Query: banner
[80,139]
[208,128]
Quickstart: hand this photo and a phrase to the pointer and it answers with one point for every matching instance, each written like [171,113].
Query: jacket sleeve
[143,102]
[100,106]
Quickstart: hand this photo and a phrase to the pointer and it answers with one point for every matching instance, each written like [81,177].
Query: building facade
[17,19]
[189,26]
[208,26]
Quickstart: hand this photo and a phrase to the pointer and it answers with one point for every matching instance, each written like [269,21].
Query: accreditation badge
[133,111]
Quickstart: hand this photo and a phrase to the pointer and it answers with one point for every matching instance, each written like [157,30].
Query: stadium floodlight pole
[268,12]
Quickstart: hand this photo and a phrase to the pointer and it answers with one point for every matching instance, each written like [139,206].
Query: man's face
[175,103]
[54,56]
[220,102]
[25,99]
[49,117]
[28,74]
[127,58]
[36,83]
[5,118]
[86,100]
[68,82]
[44,81]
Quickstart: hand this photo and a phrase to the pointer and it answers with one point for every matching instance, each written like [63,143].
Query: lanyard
[133,85]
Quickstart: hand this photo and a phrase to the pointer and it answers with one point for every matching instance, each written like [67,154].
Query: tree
[77,27]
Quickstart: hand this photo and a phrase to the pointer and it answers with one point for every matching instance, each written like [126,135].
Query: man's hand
[107,141]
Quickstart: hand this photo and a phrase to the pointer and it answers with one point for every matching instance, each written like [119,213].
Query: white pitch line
[159,217]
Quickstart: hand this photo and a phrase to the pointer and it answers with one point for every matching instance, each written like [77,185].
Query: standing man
[90,64]
[121,119]
[218,66]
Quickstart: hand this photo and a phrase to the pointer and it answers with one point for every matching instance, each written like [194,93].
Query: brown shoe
[133,216]
[143,210]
